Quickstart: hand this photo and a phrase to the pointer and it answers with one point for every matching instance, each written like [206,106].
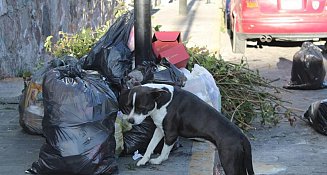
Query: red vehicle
[267,20]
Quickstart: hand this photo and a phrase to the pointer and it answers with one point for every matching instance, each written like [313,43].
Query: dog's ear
[156,93]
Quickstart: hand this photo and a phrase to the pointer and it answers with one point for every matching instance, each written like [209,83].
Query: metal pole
[182,7]
[142,31]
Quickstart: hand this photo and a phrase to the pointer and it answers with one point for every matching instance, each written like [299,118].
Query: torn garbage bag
[317,116]
[31,103]
[149,72]
[308,71]
[79,115]
[111,55]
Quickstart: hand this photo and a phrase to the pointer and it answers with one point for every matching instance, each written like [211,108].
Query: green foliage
[120,9]
[24,73]
[157,28]
[76,45]
[244,92]
[80,44]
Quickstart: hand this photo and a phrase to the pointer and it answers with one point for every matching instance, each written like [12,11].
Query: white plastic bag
[201,83]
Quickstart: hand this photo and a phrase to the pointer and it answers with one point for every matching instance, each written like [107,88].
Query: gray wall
[24,25]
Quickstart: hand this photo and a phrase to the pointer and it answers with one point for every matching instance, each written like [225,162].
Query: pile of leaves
[245,94]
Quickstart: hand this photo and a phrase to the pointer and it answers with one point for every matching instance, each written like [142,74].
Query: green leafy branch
[245,94]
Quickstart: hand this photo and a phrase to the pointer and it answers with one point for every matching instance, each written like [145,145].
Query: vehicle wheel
[226,21]
[238,44]
[226,17]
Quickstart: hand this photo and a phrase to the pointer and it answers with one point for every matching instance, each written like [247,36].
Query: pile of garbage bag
[73,104]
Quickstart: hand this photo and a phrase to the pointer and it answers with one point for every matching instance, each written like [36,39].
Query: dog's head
[139,102]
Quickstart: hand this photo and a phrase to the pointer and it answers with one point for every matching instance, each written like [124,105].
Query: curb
[9,100]
[11,90]
[204,159]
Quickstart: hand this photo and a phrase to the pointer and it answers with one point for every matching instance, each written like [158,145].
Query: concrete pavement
[201,26]
[283,149]
[10,90]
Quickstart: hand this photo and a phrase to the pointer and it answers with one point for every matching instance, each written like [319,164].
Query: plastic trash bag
[79,115]
[121,126]
[111,55]
[201,83]
[317,116]
[149,72]
[168,74]
[308,70]
[30,107]
[115,62]
[139,137]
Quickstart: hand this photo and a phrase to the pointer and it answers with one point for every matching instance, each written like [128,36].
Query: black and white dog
[177,112]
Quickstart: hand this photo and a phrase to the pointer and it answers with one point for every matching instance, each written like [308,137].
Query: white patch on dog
[160,86]
[159,115]
[163,156]
[157,136]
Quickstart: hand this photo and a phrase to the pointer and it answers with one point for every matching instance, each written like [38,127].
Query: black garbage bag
[168,74]
[115,62]
[317,116]
[110,55]
[149,72]
[30,107]
[308,70]
[139,137]
[79,114]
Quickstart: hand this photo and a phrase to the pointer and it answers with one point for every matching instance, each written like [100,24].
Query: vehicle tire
[226,15]
[238,44]
[226,20]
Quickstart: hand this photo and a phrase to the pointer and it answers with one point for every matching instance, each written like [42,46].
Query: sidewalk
[10,90]
[201,26]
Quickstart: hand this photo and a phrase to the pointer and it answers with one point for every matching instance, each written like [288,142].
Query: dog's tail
[248,157]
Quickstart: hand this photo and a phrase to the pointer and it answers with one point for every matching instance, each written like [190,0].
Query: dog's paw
[156,161]
[143,161]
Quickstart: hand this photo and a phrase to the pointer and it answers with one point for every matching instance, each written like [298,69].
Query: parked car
[268,20]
